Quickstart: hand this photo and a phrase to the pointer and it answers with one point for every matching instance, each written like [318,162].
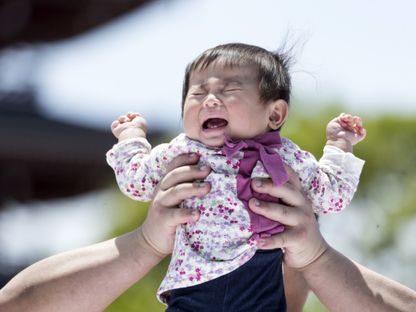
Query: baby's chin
[213,143]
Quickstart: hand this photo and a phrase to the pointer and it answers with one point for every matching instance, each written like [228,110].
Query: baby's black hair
[273,68]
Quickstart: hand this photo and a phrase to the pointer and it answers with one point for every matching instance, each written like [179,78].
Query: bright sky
[358,52]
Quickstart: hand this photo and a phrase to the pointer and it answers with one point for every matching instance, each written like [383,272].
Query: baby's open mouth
[214,123]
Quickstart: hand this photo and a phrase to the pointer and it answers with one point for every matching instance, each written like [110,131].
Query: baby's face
[224,100]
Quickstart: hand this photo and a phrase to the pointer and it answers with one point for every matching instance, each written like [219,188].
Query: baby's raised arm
[136,166]
[128,126]
[331,182]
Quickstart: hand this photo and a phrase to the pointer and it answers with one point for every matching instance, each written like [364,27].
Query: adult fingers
[293,177]
[174,195]
[181,216]
[183,169]
[183,160]
[288,192]
[282,213]
[279,240]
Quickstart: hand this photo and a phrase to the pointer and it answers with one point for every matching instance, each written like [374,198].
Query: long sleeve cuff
[125,145]
[349,162]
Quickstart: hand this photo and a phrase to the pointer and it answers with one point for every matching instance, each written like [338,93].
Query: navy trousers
[257,286]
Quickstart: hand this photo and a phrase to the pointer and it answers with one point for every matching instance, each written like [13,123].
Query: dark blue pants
[257,286]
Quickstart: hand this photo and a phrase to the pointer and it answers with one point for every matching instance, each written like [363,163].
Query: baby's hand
[345,131]
[128,126]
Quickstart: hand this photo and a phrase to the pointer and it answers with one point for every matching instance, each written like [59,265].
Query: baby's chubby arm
[345,131]
[330,184]
[128,126]
[136,165]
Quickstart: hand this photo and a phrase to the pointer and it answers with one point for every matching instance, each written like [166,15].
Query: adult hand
[301,240]
[165,214]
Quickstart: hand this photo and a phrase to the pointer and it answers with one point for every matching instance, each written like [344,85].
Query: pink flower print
[155,183]
[298,156]
[228,187]
[196,246]
[314,183]
[198,274]
[339,205]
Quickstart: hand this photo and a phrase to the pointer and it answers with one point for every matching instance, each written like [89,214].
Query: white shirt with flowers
[222,240]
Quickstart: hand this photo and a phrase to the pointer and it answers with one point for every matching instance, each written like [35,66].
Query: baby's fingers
[115,124]
[123,118]
[132,115]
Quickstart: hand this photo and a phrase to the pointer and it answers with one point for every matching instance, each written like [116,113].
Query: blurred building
[42,158]
[37,21]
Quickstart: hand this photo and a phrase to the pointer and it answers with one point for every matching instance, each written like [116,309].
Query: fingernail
[258,182]
[192,155]
[203,167]
[195,214]
[256,202]
[199,183]
[261,242]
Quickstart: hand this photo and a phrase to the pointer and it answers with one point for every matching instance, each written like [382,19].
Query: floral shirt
[222,239]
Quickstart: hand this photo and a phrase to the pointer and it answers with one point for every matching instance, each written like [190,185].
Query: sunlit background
[63,83]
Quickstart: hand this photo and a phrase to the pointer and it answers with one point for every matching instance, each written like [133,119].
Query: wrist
[319,263]
[315,257]
[146,244]
[132,132]
[340,143]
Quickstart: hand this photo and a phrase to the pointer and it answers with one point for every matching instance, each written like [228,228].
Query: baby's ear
[279,111]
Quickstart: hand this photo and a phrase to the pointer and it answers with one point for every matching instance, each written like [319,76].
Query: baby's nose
[212,101]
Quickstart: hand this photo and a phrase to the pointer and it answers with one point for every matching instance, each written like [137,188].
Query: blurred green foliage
[386,193]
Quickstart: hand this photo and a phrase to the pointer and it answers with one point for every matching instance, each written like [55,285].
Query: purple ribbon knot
[261,148]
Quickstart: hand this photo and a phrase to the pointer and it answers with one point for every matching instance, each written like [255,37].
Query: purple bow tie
[265,144]
[259,148]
